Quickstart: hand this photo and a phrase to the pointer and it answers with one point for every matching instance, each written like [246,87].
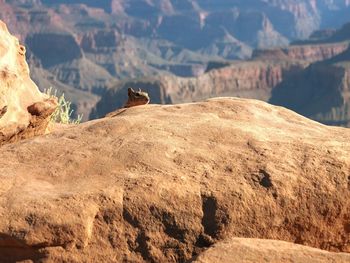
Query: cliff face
[53,48]
[163,183]
[227,29]
[251,79]
[254,79]
[301,77]
[320,92]
[54,54]
[88,46]
[294,19]
[100,41]
[309,53]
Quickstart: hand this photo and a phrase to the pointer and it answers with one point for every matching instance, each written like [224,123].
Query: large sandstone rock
[245,250]
[161,183]
[24,110]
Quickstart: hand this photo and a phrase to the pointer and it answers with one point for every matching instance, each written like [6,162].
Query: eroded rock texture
[245,250]
[24,110]
[161,183]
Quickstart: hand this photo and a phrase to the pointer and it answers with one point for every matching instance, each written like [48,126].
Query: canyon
[290,70]
[86,48]
[191,182]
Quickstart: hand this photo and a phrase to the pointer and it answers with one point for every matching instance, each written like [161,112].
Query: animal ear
[130,91]
[140,90]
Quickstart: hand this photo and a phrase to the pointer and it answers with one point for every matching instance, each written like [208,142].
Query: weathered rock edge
[161,183]
[247,250]
[24,111]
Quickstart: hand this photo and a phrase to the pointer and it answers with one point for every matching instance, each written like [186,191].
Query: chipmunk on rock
[136,98]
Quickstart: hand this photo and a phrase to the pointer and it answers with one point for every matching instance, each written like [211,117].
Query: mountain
[310,77]
[90,45]
[321,91]
[250,79]
[257,78]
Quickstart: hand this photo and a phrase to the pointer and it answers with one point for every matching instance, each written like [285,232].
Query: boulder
[24,110]
[159,183]
[247,250]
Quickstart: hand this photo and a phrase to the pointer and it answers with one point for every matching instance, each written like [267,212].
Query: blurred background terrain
[290,53]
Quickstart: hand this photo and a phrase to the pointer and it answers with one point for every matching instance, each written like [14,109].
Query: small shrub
[63,113]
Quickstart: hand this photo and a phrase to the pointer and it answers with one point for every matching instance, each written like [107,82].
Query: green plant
[63,113]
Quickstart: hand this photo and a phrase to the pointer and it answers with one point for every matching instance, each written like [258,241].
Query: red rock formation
[310,53]
[320,92]
[253,79]
[162,183]
[316,52]
[52,48]
[100,41]
[238,79]
[89,47]
[25,112]
[248,250]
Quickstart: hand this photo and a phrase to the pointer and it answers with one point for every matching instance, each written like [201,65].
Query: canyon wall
[320,91]
[251,79]
[88,48]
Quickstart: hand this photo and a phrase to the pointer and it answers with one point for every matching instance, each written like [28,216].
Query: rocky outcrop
[308,53]
[105,4]
[320,91]
[229,30]
[253,28]
[100,41]
[285,69]
[247,250]
[243,79]
[88,45]
[83,74]
[54,48]
[343,34]
[24,111]
[161,183]
[252,79]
